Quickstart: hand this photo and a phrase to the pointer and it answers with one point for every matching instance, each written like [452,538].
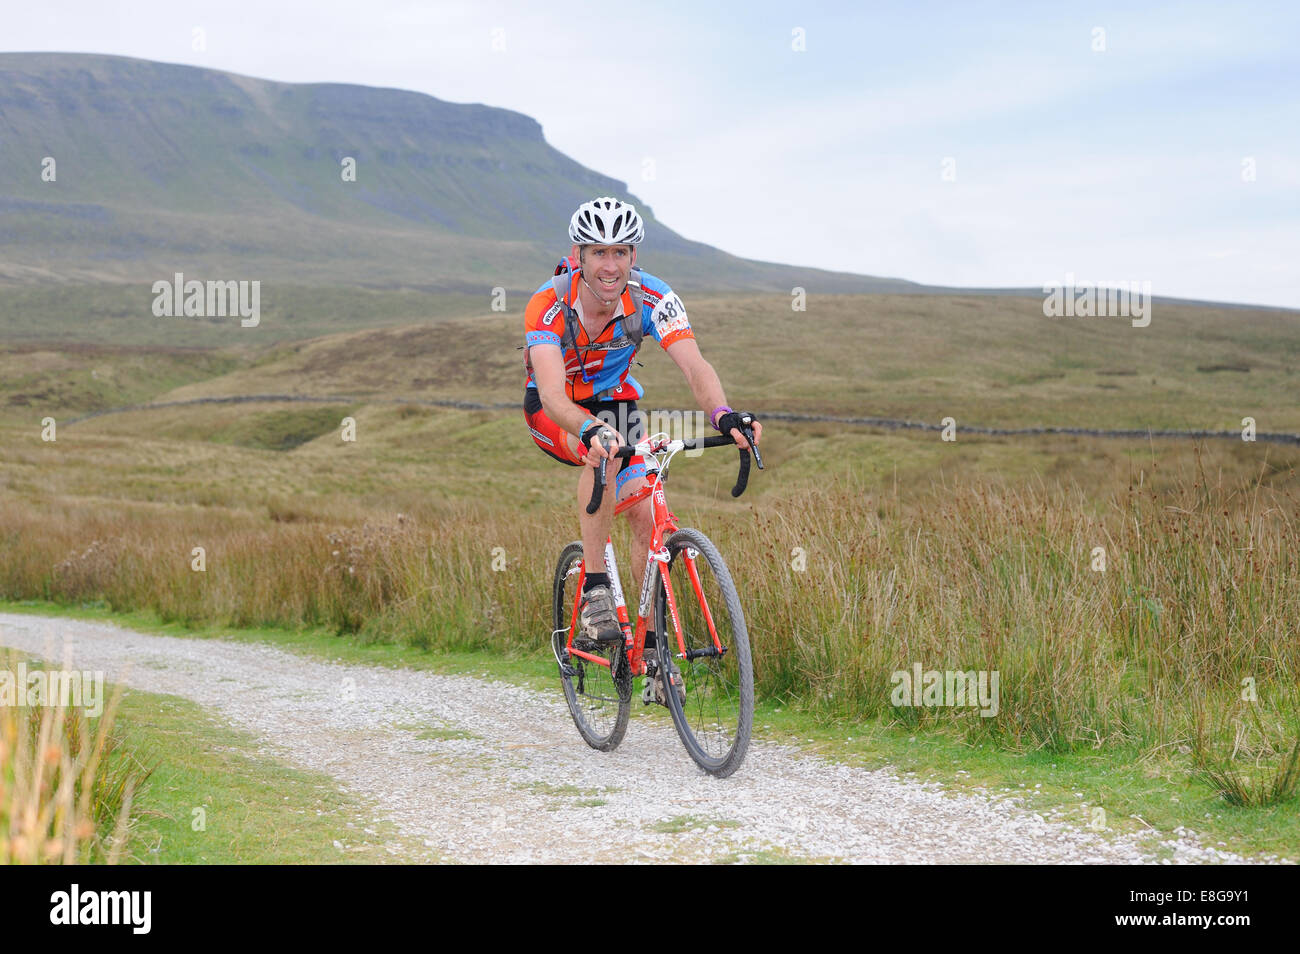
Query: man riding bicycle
[582,328]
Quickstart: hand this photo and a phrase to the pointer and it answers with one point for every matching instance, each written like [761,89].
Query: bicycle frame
[656,570]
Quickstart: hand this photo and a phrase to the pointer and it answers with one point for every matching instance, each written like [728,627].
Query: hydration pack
[562,282]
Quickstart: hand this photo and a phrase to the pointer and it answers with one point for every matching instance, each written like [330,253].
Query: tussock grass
[1201,590]
[66,785]
[1251,760]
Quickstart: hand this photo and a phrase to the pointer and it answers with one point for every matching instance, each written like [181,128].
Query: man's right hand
[601,442]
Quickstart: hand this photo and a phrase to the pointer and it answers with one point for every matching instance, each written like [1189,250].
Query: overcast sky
[1172,155]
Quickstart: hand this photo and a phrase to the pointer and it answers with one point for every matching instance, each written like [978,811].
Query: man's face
[607,267]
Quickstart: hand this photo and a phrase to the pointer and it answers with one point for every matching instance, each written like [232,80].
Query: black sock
[595,579]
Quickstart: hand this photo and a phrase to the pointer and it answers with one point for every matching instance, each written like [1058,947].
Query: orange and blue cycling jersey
[593,371]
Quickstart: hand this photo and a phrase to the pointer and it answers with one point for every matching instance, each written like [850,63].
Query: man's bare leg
[595,526]
[641,519]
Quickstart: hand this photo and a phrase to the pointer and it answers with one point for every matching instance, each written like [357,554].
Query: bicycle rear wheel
[599,709]
[717,715]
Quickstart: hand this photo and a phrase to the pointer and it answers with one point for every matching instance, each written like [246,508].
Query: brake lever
[598,485]
[748,433]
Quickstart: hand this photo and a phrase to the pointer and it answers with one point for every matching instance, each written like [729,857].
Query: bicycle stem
[648,449]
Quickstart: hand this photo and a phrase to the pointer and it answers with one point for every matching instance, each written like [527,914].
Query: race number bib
[670,315]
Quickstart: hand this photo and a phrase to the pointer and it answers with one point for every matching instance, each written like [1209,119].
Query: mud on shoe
[597,617]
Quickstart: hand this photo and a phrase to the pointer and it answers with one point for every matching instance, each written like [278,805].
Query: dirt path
[488,772]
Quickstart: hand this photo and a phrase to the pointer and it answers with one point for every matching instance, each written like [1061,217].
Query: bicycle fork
[717,649]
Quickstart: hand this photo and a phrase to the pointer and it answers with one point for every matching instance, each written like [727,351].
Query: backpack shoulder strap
[569,337]
[632,324]
[562,282]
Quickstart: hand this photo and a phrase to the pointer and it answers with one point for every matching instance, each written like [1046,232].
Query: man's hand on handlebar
[730,423]
[601,442]
[740,438]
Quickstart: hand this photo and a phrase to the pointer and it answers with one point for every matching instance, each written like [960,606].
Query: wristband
[713,418]
[589,426]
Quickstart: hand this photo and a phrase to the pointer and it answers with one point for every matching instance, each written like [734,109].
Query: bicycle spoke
[597,701]
[712,652]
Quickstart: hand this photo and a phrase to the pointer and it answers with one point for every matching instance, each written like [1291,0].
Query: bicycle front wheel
[707,641]
[599,706]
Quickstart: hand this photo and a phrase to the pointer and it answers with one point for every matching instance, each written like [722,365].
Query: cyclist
[582,328]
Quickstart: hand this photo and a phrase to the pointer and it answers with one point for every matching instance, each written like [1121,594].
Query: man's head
[605,233]
[606,268]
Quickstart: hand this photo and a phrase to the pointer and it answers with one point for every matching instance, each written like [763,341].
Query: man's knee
[587,478]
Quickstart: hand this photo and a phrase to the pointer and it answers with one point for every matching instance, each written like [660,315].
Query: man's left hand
[729,424]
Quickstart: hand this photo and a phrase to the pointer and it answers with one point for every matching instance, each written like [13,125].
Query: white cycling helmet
[606,221]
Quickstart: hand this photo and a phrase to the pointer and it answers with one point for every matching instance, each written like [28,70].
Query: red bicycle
[697,662]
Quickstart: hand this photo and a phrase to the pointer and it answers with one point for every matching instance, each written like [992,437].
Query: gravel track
[502,775]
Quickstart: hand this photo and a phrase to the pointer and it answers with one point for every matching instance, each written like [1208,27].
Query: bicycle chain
[621,672]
